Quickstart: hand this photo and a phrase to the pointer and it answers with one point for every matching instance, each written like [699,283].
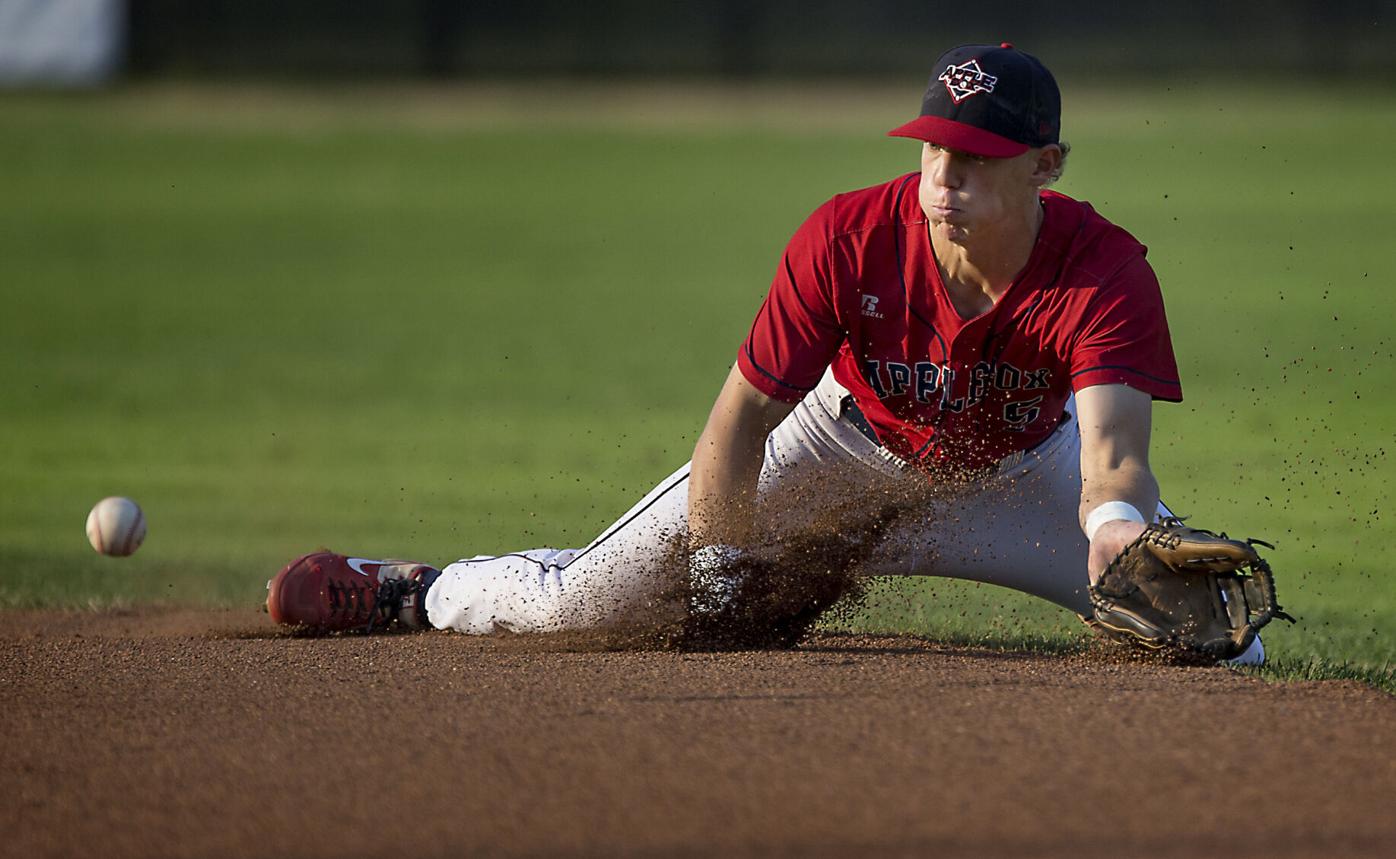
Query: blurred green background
[432,321]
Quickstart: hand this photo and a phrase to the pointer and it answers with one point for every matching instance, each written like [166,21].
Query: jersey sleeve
[1124,339]
[797,332]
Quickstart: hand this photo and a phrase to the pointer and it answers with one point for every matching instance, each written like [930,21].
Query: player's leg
[812,458]
[1018,529]
[542,590]
[622,573]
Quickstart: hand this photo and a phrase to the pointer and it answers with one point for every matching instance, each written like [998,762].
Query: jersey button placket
[966,349]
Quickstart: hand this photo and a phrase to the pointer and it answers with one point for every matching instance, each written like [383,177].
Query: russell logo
[870,306]
[965,80]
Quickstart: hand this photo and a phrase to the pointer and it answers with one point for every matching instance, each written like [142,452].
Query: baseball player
[960,345]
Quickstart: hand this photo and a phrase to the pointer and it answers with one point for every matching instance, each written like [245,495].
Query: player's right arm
[727,462]
[795,335]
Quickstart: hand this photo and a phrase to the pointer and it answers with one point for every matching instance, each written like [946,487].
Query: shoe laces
[374,606]
[388,600]
[354,601]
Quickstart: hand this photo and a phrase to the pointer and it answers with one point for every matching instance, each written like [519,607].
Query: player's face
[967,196]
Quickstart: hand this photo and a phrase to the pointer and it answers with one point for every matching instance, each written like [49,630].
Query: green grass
[436,322]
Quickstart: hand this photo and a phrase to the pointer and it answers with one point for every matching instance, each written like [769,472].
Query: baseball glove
[1196,595]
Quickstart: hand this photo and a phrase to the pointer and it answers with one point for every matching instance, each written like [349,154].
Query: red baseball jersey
[859,288]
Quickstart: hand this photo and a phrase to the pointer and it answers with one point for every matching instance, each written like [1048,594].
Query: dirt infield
[174,733]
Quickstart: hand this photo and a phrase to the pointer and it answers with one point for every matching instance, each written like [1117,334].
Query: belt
[848,409]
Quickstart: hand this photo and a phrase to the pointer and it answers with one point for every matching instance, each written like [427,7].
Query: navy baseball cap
[997,102]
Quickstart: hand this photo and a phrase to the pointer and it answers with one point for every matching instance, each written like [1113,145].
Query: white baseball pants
[1017,529]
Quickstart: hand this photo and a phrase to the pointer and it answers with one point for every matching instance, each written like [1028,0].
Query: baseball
[116,526]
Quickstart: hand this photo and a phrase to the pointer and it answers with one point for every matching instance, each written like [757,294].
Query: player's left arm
[1116,421]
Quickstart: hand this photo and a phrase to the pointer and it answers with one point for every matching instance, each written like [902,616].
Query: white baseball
[116,526]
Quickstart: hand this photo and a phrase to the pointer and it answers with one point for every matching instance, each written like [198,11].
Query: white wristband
[1109,512]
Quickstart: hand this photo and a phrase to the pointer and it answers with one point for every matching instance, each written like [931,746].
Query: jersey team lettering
[926,380]
[965,80]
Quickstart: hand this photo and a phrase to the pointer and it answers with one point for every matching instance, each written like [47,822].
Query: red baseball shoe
[325,592]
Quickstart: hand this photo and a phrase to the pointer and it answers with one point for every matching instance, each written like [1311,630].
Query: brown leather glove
[1196,595]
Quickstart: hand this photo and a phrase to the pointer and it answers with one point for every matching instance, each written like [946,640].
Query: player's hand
[1110,540]
[714,578]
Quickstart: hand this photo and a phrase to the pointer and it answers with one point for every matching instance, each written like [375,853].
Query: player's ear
[1047,164]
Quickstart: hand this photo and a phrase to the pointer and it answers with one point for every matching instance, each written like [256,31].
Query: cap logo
[965,80]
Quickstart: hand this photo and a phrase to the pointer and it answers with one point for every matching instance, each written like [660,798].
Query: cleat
[325,592]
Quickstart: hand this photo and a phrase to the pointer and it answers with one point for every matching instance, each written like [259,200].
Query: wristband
[1109,512]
